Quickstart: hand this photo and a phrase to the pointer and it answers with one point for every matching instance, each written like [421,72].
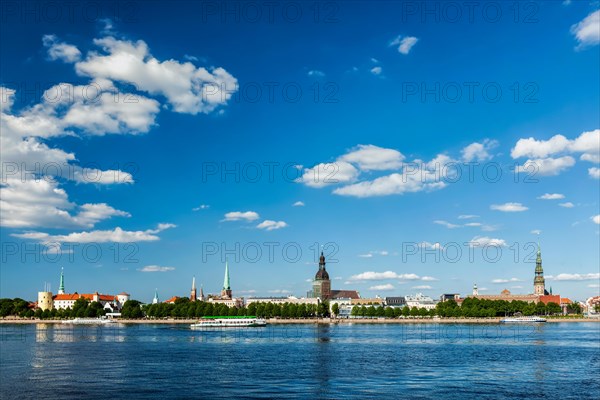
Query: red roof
[565,300]
[89,296]
[550,298]
[172,299]
[344,294]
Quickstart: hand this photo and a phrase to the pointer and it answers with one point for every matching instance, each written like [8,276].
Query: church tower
[475,290]
[61,287]
[322,284]
[226,291]
[539,283]
[155,299]
[193,292]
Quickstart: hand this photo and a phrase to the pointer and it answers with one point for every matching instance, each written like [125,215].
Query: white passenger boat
[89,321]
[523,319]
[229,322]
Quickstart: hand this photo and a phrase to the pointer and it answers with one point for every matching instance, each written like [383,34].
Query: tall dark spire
[539,283]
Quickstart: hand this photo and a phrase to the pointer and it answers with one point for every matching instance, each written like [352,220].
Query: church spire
[539,283]
[61,287]
[226,292]
[201,298]
[155,299]
[193,292]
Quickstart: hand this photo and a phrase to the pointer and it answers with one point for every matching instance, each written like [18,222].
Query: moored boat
[229,322]
[523,319]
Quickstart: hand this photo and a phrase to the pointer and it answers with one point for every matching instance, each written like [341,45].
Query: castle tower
[61,287]
[475,290]
[155,299]
[193,292]
[539,283]
[45,299]
[226,291]
[322,284]
[201,298]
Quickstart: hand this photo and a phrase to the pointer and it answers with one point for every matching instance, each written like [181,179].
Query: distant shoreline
[313,321]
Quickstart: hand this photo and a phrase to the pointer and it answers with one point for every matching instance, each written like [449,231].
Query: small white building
[420,301]
[283,300]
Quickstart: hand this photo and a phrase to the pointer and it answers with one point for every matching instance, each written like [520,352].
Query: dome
[322,275]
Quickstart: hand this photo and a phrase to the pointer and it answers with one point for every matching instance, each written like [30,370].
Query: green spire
[61,287]
[226,285]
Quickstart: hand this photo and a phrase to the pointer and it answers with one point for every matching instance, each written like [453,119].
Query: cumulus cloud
[574,277]
[476,152]
[376,70]
[484,241]
[587,31]
[594,172]
[59,50]
[509,207]
[568,204]
[374,158]
[404,43]
[156,268]
[542,152]
[384,287]
[298,204]
[396,183]
[325,174]
[551,196]
[187,88]
[596,219]
[316,73]
[116,235]
[380,276]
[506,280]
[247,216]
[271,225]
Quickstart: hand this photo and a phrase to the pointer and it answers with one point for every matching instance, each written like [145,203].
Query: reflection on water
[301,361]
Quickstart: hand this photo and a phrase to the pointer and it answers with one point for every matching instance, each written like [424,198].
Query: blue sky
[148,107]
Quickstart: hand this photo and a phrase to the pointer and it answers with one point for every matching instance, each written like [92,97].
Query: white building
[420,301]
[282,300]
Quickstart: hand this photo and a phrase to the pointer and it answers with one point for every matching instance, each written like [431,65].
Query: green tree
[574,308]
[335,309]
[132,310]
[553,308]
[389,312]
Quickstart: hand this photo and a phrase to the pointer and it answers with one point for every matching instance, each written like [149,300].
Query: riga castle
[62,300]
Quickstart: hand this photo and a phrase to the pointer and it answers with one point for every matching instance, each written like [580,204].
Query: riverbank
[328,321]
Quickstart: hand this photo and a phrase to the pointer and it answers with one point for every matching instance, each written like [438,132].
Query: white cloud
[568,204]
[316,73]
[422,287]
[298,204]
[379,276]
[431,246]
[574,277]
[551,196]
[367,255]
[478,151]
[506,280]
[376,70]
[594,172]
[484,241]
[587,31]
[546,166]
[247,216]
[329,174]
[405,44]
[201,207]
[429,279]
[155,268]
[60,50]
[187,88]
[279,291]
[509,207]
[384,287]
[596,219]
[396,183]
[374,158]
[540,151]
[116,235]
[271,225]
[536,231]
[446,224]
[374,252]
[467,216]
[593,285]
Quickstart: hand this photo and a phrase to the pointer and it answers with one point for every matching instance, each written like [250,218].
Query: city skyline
[200,149]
